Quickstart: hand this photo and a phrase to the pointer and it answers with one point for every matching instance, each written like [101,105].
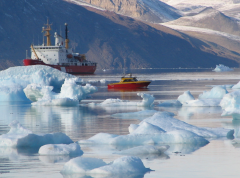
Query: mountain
[148,10]
[210,18]
[106,37]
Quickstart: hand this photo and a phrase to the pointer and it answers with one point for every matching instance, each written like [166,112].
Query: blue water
[220,158]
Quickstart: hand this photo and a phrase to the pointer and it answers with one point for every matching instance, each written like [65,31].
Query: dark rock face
[106,38]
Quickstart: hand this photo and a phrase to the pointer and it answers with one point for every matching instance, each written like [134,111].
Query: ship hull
[128,85]
[71,69]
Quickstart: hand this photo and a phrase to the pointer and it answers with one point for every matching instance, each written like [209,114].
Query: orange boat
[129,83]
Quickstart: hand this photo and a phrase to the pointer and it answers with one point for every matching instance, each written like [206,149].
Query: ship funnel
[66,36]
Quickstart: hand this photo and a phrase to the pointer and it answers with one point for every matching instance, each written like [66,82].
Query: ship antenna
[66,36]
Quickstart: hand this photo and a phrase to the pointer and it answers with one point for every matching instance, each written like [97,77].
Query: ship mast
[47,32]
[66,35]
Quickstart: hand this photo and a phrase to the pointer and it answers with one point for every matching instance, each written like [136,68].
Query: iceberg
[222,68]
[186,96]
[14,79]
[147,128]
[70,94]
[147,101]
[168,123]
[216,92]
[237,86]
[124,167]
[231,103]
[72,149]
[18,136]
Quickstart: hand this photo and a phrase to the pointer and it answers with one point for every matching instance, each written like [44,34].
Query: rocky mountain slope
[148,10]
[106,37]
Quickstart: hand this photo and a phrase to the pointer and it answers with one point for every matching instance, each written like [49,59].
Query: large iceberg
[124,167]
[70,94]
[222,68]
[18,136]
[147,100]
[15,79]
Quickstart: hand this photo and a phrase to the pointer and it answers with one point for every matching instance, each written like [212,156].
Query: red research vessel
[59,56]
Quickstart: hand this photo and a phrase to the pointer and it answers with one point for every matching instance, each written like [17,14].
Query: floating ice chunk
[14,79]
[186,96]
[72,149]
[146,128]
[168,123]
[231,103]
[177,136]
[125,166]
[82,165]
[215,93]
[222,68]
[203,103]
[170,103]
[18,136]
[132,127]
[70,95]
[103,81]
[144,150]
[138,115]
[147,100]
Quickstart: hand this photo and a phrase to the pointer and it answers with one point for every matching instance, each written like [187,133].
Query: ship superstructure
[59,55]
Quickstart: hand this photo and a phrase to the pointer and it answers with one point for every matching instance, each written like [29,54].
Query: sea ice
[124,166]
[70,94]
[72,149]
[18,136]
[186,96]
[147,128]
[147,100]
[216,92]
[168,123]
[14,79]
[237,86]
[222,68]
[231,103]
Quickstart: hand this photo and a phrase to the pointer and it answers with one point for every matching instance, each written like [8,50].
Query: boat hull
[71,69]
[143,84]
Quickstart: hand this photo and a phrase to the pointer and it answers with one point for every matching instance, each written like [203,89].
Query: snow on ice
[124,166]
[231,103]
[72,149]
[39,82]
[222,68]
[147,100]
[18,136]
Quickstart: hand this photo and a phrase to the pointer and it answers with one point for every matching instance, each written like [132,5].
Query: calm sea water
[220,158]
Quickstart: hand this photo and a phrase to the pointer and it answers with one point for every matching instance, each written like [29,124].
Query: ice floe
[70,94]
[216,92]
[203,103]
[231,103]
[186,96]
[171,103]
[125,166]
[222,68]
[61,149]
[147,100]
[14,79]
[169,123]
[18,136]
